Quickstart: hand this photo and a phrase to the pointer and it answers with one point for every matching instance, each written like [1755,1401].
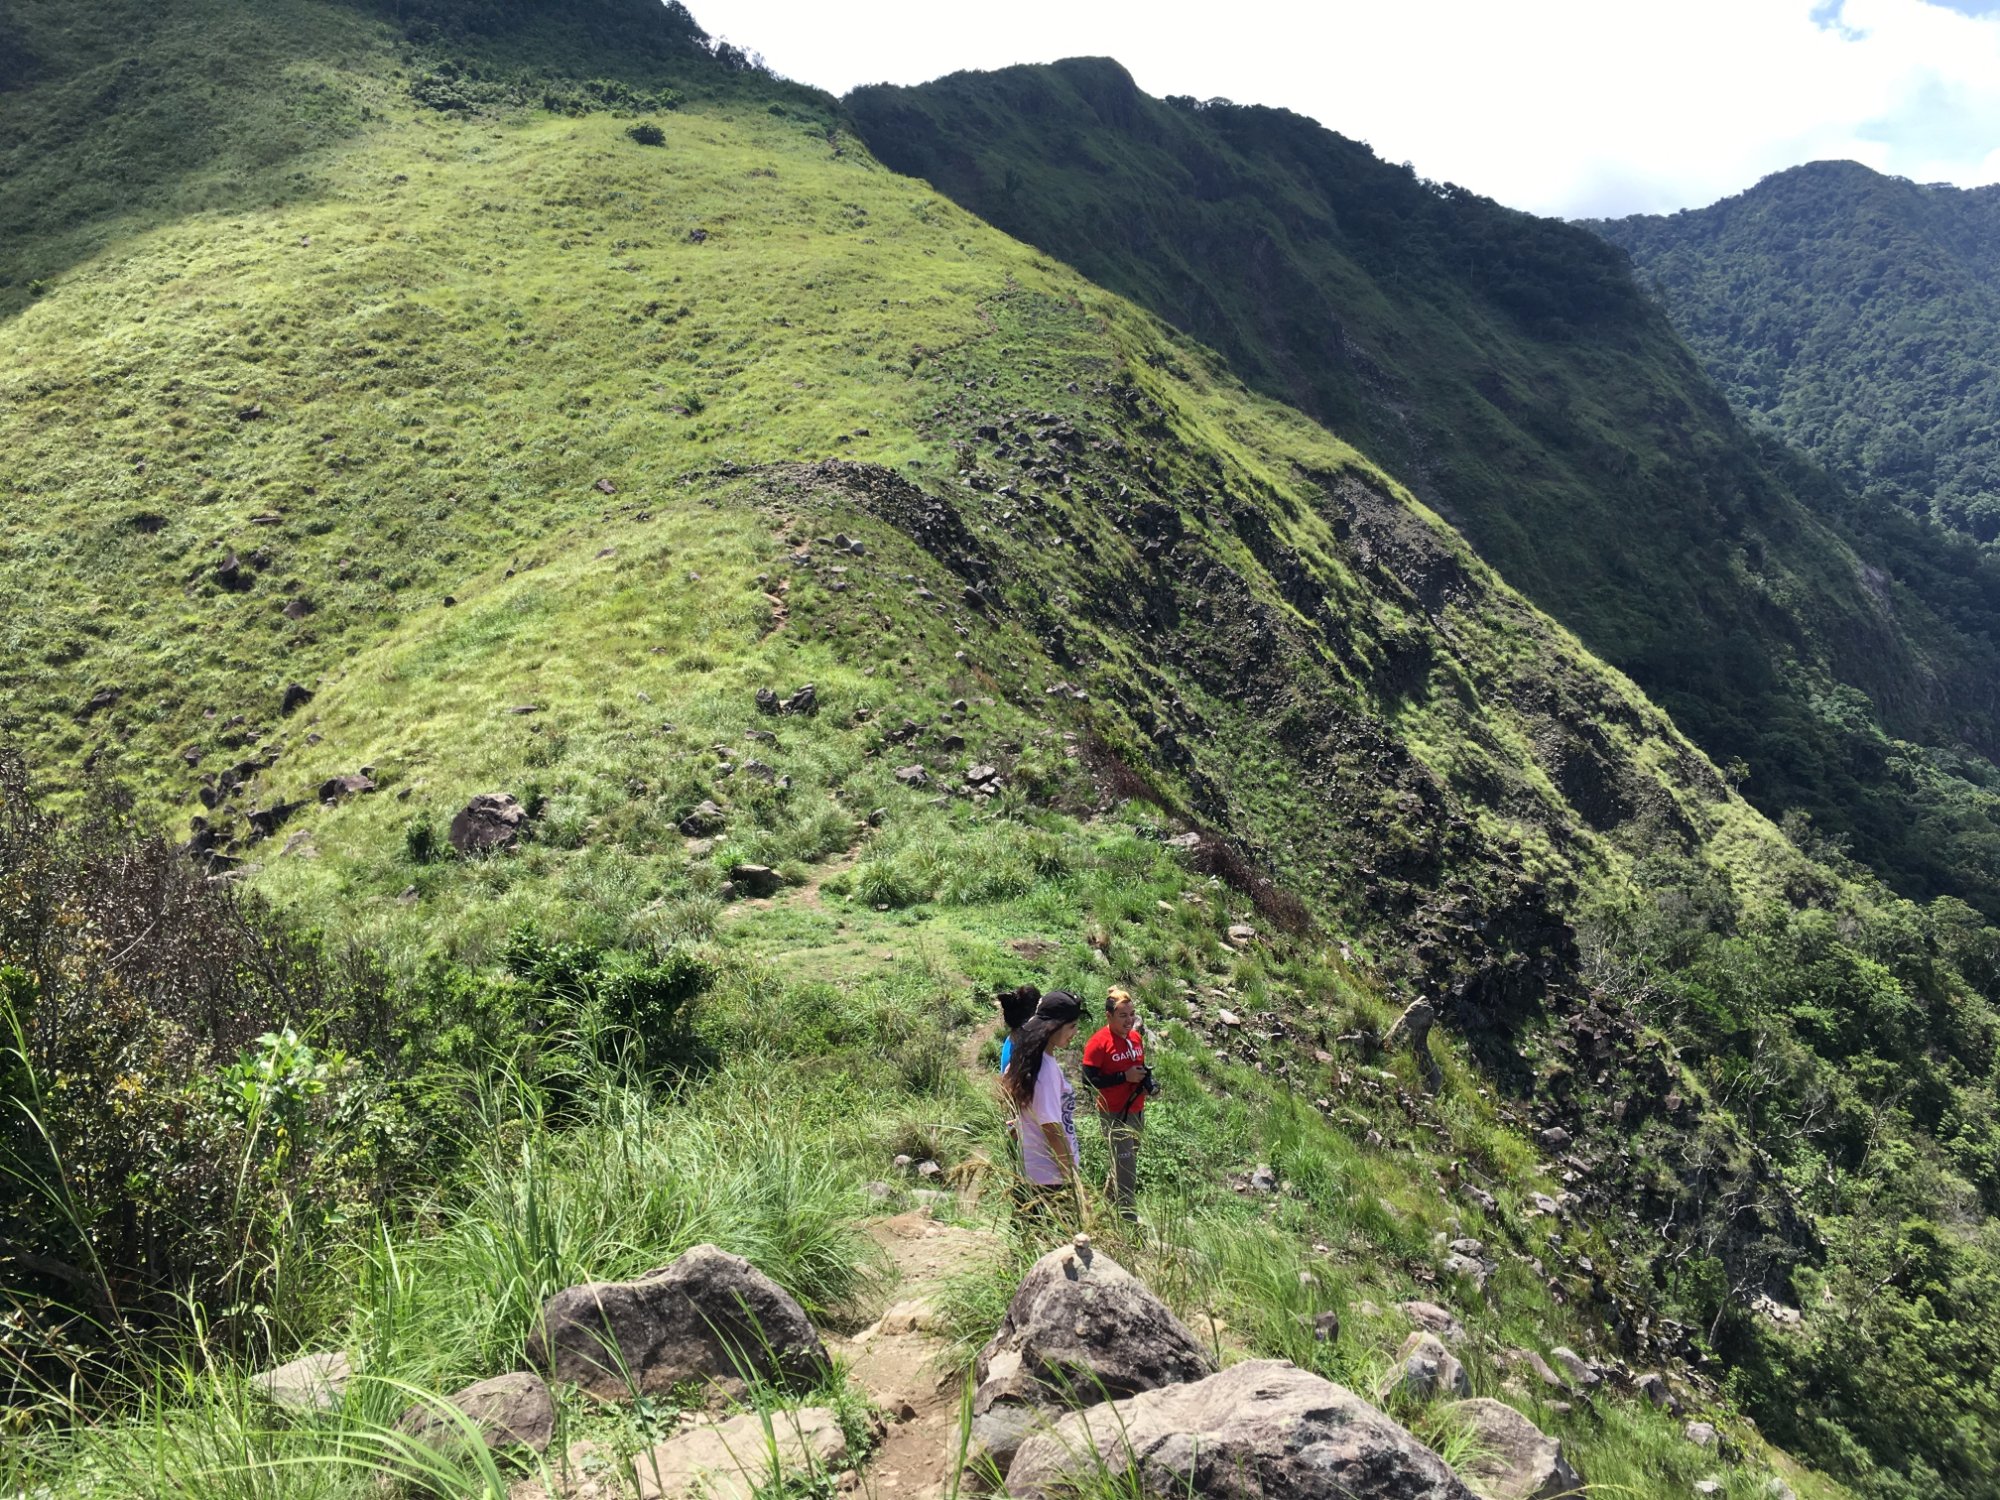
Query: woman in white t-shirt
[1044,1103]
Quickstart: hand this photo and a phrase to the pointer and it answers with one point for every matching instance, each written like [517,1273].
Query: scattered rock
[1242,934]
[1412,1029]
[733,1460]
[1555,1138]
[1580,1370]
[1261,1428]
[1701,1434]
[265,821]
[605,487]
[914,777]
[313,1382]
[491,820]
[756,880]
[231,574]
[1653,1386]
[1512,1458]
[1261,1179]
[1424,1369]
[1708,1487]
[338,788]
[298,607]
[509,1411]
[1543,1372]
[297,696]
[707,1318]
[1081,1329]
[983,778]
[706,819]
[1431,1318]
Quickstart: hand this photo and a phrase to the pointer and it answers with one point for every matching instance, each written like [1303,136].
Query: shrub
[648,134]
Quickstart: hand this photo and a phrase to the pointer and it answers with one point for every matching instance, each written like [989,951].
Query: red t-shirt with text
[1113,1054]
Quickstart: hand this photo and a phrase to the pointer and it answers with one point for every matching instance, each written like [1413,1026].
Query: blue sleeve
[1006,1052]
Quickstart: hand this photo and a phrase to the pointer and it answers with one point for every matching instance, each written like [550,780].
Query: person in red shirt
[1114,1063]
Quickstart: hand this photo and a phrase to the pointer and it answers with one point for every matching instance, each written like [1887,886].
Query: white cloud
[1561,106]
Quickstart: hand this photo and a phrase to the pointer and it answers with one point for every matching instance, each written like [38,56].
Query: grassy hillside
[1855,315]
[531,452]
[1511,371]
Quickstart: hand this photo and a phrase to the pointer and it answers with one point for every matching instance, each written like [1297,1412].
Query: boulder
[1080,1330]
[1653,1386]
[514,1410]
[1412,1028]
[1260,1429]
[756,880]
[337,788]
[313,1382]
[913,776]
[735,1460]
[1543,1372]
[490,821]
[1701,1434]
[297,695]
[706,819]
[1580,1370]
[1512,1458]
[1434,1319]
[1424,1368]
[710,1318]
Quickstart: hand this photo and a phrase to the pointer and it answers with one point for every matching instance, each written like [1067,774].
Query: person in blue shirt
[1017,1007]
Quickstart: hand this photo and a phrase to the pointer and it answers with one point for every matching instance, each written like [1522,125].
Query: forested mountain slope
[862,611]
[1857,316]
[1513,373]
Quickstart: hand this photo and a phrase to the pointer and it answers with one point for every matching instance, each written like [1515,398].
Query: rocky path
[899,1360]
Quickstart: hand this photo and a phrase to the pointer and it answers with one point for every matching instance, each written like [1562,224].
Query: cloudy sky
[1571,107]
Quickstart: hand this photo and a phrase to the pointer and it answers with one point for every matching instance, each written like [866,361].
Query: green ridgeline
[1510,370]
[1855,315]
[533,446]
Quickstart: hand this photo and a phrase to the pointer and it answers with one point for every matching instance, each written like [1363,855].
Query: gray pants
[1122,1134]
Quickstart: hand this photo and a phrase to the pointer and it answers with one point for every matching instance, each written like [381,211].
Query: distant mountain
[1855,314]
[1512,371]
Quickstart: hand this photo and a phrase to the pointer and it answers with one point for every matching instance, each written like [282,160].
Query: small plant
[421,844]
[647,134]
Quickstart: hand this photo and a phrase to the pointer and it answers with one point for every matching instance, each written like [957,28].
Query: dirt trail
[898,1359]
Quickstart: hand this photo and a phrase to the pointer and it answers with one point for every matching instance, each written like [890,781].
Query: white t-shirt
[1054,1103]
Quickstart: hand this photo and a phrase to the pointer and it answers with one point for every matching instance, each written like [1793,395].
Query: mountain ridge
[1602,474]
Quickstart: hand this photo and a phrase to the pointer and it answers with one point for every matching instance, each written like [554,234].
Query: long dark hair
[1017,1006]
[1057,1009]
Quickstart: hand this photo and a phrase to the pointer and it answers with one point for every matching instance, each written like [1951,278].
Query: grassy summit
[532,451]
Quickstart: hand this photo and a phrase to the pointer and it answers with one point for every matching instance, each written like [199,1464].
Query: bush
[648,134]
[172,1143]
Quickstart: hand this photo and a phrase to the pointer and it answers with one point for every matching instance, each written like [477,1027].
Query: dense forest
[1857,316]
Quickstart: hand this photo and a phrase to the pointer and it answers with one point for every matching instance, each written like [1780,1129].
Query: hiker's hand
[1134,1075]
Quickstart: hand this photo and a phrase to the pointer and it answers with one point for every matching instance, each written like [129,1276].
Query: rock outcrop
[1262,1428]
[710,1318]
